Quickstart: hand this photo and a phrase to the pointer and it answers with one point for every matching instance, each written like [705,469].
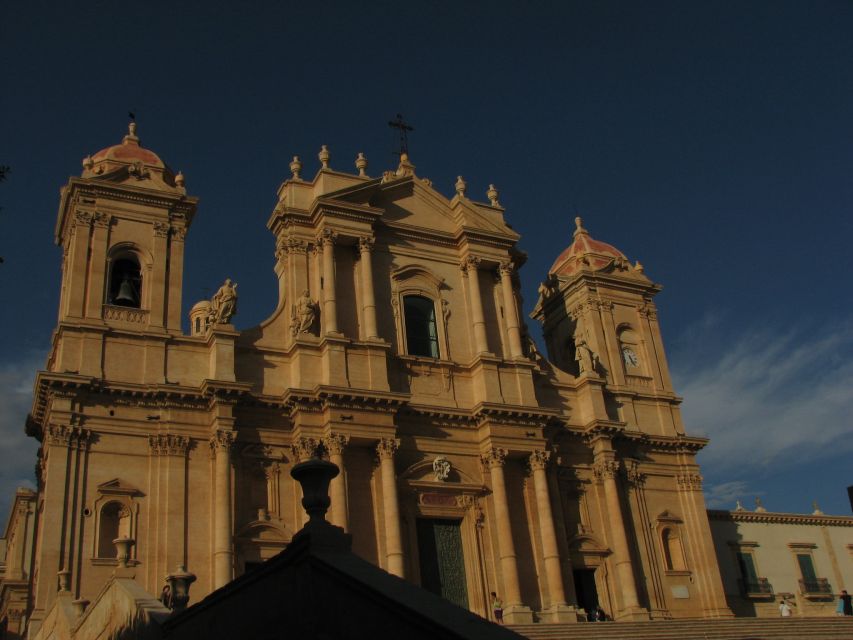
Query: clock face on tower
[630,357]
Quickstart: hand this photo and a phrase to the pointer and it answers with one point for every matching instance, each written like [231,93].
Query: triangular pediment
[118,487]
[415,203]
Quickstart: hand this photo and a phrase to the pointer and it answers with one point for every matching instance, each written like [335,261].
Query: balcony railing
[818,587]
[758,588]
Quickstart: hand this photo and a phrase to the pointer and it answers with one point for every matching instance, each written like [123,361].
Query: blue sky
[712,141]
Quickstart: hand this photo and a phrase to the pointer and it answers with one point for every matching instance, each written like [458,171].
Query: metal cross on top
[404,128]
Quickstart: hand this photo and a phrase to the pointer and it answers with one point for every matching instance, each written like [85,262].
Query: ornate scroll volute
[305,448]
[605,469]
[495,457]
[387,447]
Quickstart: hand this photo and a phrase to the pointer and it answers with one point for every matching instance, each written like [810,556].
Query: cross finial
[404,128]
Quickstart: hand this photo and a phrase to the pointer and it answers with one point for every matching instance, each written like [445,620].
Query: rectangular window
[746,564]
[807,568]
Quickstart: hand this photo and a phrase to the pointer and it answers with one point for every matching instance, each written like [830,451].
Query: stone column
[176,279]
[553,572]
[155,292]
[335,444]
[471,266]
[393,539]
[606,468]
[330,308]
[96,297]
[510,309]
[223,553]
[365,247]
[494,462]
[77,265]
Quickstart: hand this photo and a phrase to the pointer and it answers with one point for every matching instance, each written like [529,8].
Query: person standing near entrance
[845,604]
[784,609]
[498,608]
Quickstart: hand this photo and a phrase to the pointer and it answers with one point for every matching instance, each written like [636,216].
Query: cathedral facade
[470,462]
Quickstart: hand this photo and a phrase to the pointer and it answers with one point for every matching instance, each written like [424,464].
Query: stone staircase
[829,628]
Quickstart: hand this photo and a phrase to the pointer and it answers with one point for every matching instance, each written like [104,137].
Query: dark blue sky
[712,141]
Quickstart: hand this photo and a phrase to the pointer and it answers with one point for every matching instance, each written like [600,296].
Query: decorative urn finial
[324,156]
[315,475]
[179,587]
[461,185]
[361,165]
[296,167]
[492,195]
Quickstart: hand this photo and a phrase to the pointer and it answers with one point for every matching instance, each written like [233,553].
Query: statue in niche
[304,314]
[586,358]
[441,468]
[223,305]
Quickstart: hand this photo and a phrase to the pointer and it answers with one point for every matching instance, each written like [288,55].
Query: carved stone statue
[441,468]
[586,358]
[304,314]
[223,305]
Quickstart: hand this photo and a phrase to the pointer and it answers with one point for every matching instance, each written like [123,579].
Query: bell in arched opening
[125,283]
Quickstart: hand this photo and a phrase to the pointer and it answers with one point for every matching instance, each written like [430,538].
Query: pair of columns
[326,241]
[470,267]
[494,461]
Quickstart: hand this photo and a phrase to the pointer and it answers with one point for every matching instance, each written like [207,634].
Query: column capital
[295,245]
[495,457]
[161,229]
[387,447]
[327,237]
[67,436]
[83,218]
[335,443]
[633,474]
[689,481]
[470,263]
[221,441]
[101,219]
[506,267]
[538,459]
[365,244]
[305,448]
[605,469]
[168,444]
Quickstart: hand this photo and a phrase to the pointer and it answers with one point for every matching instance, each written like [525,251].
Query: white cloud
[770,397]
[17,450]
[726,494]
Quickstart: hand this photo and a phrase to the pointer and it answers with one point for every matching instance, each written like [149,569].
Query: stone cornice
[781,518]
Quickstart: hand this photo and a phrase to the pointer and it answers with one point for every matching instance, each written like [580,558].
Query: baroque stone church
[470,462]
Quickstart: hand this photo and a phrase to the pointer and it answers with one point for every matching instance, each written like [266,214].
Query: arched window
[421,328]
[125,282]
[673,554]
[114,523]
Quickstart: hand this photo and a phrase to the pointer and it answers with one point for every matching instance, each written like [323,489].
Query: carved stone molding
[179,233]
[168,444]
[335,443]
[221,441]
[270,470]
[365,244]
[161,229]
[387,447]
[67,436]
[472,504]
[689,481]
[496,457]
[506,267]
[648,311]
[538,459]
[305,448]
[605,469]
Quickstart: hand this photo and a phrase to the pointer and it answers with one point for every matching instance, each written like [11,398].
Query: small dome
[129,161]
[586,253]
[129,151]
[203,305]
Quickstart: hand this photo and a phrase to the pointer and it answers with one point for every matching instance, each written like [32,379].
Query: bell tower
[599,321]
[121,226]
